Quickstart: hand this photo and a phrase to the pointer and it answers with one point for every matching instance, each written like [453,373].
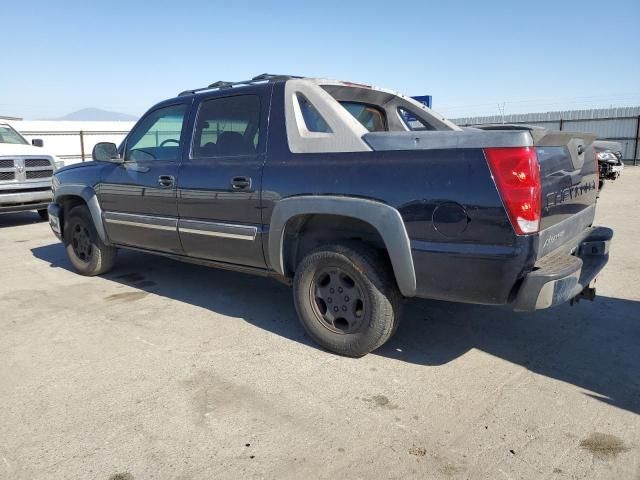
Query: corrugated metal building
[620,124]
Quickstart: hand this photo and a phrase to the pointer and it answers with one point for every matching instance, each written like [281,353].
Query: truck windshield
[9,135]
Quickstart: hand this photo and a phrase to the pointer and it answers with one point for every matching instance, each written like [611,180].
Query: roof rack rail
[221,84]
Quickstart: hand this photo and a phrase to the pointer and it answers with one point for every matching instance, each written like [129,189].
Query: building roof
[591,114]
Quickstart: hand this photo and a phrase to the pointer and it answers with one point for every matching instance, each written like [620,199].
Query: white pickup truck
[25,173]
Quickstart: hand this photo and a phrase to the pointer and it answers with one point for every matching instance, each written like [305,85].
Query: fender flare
[384,218]
[88,194]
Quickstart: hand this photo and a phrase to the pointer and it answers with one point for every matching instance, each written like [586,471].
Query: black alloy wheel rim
[337,300]
[81,242]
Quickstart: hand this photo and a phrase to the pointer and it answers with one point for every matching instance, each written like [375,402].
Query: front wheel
[346,298]
[86,251]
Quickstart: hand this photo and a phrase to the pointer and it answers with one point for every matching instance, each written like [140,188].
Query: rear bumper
[559,277]
[25,200]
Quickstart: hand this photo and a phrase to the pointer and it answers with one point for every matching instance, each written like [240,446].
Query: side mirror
[37,142]
[106,152]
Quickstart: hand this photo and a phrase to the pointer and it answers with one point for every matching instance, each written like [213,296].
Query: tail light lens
[517,176]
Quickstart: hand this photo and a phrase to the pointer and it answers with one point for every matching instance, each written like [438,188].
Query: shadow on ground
[595,346]
[19,218]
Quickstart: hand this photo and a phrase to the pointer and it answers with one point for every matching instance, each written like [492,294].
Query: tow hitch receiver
[589,293]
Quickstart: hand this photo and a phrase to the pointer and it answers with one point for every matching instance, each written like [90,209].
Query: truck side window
[157,136]
[227,126]
[312,118]
[412,121]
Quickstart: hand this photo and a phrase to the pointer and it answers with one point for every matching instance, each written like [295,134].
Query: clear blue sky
[60,56]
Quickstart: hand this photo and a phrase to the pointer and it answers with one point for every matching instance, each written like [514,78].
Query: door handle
[166,181]
[241,183]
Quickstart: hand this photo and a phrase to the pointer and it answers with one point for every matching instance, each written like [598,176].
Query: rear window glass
[371,117]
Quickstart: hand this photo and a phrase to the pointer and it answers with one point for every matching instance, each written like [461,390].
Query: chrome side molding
[216,229]
[192,227]
[142,221]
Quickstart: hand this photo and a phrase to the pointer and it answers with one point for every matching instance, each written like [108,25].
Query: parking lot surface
[174,371]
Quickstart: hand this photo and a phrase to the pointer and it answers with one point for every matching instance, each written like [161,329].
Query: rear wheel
[346,298]
[44,214]
[86,251]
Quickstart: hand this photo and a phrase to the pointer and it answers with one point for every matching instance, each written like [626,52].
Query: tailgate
[569,181]
[569,178]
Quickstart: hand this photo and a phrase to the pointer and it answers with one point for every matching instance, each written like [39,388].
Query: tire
[44,214]
[86,251]
[355,279]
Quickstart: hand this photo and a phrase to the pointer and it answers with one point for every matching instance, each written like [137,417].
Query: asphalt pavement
[167,370]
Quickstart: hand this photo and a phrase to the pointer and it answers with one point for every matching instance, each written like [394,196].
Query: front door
[138,197]
[219,184]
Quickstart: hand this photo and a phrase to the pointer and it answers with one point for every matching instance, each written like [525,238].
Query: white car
[25,173]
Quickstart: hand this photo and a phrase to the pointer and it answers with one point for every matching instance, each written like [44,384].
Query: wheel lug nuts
[339,289]
[329,300]
[346,298]
[344,308]
[335,309]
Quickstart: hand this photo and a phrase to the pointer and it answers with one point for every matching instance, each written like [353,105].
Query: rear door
[220,182]
[138,197]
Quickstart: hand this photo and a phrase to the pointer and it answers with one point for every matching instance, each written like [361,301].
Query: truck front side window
[157,136]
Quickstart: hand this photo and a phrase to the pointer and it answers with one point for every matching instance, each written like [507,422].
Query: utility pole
[501,110]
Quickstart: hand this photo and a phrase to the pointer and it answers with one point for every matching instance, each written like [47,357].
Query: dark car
[327,185]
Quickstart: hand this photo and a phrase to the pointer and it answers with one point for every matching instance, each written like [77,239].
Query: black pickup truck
[356,195]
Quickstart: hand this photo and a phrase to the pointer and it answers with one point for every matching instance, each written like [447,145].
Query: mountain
[96,114]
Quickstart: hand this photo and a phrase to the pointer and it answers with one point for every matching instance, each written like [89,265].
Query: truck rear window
[371,117]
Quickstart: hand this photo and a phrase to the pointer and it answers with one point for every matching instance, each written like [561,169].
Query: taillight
[517,176]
